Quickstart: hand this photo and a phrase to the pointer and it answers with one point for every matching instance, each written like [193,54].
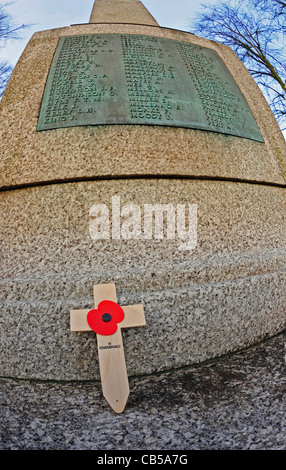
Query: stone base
[235,403]
[225,294]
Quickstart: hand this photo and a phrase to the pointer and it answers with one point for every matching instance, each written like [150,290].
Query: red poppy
[104,319]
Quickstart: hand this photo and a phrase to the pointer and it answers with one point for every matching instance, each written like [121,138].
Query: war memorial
[146,159]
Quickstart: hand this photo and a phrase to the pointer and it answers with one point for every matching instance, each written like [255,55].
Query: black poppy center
[106,317]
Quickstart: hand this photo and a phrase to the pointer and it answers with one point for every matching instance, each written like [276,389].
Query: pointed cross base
[114,378]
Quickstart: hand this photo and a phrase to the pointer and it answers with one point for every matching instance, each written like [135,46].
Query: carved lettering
[99,79]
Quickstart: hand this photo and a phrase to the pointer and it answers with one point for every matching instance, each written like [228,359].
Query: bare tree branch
[8,30]
[256,31]
[5,72]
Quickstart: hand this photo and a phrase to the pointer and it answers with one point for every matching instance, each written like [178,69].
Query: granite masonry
[225,293]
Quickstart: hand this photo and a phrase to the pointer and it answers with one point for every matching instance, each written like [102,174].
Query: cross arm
[133,316]
[78,320]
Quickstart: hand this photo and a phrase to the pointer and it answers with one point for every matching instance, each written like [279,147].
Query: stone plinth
[226,294]
[32,157]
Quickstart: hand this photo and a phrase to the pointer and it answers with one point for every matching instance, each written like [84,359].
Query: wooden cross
[114,378]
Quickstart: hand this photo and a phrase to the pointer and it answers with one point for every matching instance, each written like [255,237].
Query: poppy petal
[107,329]
[94,320]
[116,312]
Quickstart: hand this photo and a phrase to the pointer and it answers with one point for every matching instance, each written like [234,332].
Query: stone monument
[146,157]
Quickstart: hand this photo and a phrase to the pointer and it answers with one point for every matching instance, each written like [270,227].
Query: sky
[49,14]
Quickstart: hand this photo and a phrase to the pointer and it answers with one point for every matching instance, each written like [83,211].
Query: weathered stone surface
[103,151]
[227,293]
[234,403]
[127,11]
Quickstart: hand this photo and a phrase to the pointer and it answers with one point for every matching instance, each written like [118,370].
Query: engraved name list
[130,79]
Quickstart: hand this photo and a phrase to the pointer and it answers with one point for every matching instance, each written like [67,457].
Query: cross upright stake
[103,320]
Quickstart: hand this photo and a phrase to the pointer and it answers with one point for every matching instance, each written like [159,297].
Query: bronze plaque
[99,79]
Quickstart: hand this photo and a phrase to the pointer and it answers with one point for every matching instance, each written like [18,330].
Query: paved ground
[237,402]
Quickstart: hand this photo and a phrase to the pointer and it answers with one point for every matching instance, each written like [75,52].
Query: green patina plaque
[99,79]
